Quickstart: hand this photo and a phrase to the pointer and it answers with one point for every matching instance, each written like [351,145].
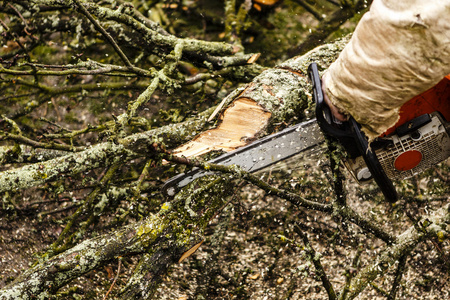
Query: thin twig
[105,34]
[23,20]
[329,25]
[59,245]
[338,177]
[27,141]
[350,273]
[58,210]
[315,259]
[309,8]
[441,175]
[16,39]
[115,279]
[378,289]
[398,277]
[142,176]
[335,3]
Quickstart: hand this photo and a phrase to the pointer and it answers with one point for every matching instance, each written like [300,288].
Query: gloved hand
[334,110]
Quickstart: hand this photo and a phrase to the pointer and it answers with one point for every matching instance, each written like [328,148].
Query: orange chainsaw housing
[435,99]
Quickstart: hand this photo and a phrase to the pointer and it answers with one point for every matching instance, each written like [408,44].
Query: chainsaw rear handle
[349,134]
[373,164]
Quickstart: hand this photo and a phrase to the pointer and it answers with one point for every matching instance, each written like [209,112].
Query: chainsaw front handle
[325,118]
[349,135]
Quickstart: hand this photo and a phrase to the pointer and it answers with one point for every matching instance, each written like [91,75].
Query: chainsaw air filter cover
[406,153]
[416,151]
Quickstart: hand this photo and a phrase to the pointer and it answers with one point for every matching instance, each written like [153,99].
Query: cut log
[275,96]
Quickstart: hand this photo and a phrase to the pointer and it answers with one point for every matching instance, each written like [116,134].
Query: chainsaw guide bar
[259,154]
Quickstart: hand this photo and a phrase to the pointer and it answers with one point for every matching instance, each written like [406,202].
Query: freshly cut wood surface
[266,2]
[239,124]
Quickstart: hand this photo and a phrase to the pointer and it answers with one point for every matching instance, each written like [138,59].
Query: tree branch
[431,225]
[398,277]
[108,37]
[314,257]
[99,155]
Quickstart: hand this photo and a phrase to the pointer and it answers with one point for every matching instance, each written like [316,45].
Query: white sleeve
[398,50]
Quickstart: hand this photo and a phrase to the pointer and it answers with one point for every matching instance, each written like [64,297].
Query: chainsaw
[419,140]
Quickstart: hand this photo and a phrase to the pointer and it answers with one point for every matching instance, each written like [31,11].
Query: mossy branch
[398,276]
[108,37]
[26,141]
[170,232]
[65,241]
[124,16]
[100,155]
[430,226]
[150,233]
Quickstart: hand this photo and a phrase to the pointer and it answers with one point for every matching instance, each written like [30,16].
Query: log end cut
[241,123]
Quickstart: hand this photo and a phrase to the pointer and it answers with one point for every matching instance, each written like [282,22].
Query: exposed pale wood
[276,95]
[253,58]
[266,2]
[190,252]
[239,124]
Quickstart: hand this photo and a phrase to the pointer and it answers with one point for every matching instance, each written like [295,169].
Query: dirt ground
[260,256]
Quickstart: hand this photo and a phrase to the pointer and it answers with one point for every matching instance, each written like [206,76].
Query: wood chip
[257,7]
[190,252]
[266,2]
[253,58]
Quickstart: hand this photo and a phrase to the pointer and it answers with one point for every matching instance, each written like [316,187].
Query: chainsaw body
[419,140]
[403,156]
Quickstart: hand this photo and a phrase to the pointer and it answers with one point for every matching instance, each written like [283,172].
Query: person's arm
[398,50]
